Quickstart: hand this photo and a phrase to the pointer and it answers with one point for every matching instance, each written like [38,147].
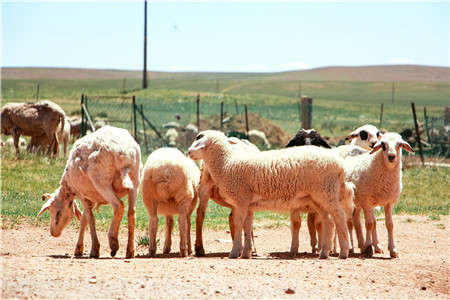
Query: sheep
[32,119]
[377,176]
[8,145]
[75,127]
[41,142]
[102,168]
[170,186]
[171,136]
[100,122]
[208,189]
[312,137]
[365,136]
[258,138]
[287,180]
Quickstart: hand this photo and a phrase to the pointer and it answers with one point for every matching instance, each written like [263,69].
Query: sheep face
[203,140]
[391,143]
[367,136]
[61,212]
[308,137]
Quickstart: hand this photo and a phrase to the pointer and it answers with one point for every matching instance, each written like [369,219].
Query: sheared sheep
[378,179]
[41,142]
[32,119]
[75,127]
[208,189]
[286,180]
[102,168]
[170,186]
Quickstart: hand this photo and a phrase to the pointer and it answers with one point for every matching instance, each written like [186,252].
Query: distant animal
[32,119]
[75,127]
[41,142]
[258,138]
[308,137]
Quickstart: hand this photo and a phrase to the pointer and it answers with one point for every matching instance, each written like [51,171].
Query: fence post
[426,123]
[134,118]
[381,114]
[246,121]
[413,106]
[83,127]
[236,105]
[221,116]
[299,108]
[37,93]
[306,112]
[198,112]
[143,128]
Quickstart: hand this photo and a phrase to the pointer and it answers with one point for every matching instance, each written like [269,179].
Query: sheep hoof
[183,253]
[368,253]
[394,253]
[351,251]
[323,255]
[152,253]
[343,255]
[113,253]
[233,255]
[94,255]
[199,252]
[78,252]
[378,249]
[130,254]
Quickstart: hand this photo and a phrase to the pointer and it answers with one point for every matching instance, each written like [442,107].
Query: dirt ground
[36,265]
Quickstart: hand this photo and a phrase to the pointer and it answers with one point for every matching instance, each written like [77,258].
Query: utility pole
[144,81]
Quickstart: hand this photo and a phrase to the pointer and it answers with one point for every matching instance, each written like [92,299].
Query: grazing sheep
[8,145]
[32,119]
[378,179]
[171,136]
[41,142]
[208,189]
[258,138]
[170,186]
[365,136]
[312,137]
[286,180]
[75,127]
[102,168]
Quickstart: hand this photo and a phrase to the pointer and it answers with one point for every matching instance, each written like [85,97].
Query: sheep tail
[346,197]
[126,180]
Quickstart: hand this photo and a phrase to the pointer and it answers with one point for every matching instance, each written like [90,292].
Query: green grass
[25,181]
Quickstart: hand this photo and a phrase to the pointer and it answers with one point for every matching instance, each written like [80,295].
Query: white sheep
[170,186]
[102,168]
[258,138]
[378,179]
[365,136]
[209,189]
[171,136]
[285,180]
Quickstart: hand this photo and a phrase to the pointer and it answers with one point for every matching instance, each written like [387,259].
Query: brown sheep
[32,119]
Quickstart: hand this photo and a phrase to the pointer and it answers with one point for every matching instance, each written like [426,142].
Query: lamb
[32,119]
[286,180]
[258,138]
[312,137]
[41,142]
[378,179]
[209,189]
[102,168]
[170,186]
[365,136]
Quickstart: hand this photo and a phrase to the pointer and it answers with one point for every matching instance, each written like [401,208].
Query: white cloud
[297,65]
[401,61]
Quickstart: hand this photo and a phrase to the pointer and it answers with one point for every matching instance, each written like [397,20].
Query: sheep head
[367,136]
[391,143]
[205,139]
[308,137]
[61,211]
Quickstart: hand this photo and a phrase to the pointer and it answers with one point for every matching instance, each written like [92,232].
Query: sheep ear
[76,210]
[406,146]
[45,196]
[375,148]
[291,143]
[231,141]
[45,207]
[352,135]
[324,143]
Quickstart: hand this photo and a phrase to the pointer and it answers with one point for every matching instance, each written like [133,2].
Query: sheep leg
[231,224]
[334,208]
[370,220]
[318,224]
[188,229]
[327,234]
[152,227]
[132,196]
[168,233]
[182,224]
[375,241]
[199,250]
[312,231]
[16,137]
[79,249]
[296,223]
[248,234]
[390,228]
[238,216]
[356,216]
[95,248]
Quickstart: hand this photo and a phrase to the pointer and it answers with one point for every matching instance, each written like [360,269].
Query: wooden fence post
[134,118]
[83,127]
[221,116]
[413,106]
[381,114]
[306,112]
[143,129]
[198,112]
[246,120]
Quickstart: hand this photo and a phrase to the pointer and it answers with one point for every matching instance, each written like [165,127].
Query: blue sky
[224,36]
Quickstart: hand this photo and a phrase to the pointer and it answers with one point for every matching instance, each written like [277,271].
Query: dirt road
[36,265]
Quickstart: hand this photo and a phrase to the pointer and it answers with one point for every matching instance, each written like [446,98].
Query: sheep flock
[332,185]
